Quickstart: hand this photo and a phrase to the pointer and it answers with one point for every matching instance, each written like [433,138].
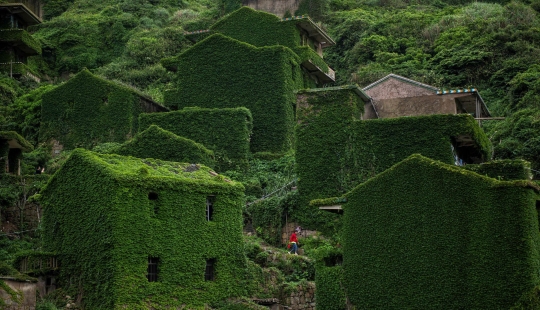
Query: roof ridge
[433,88]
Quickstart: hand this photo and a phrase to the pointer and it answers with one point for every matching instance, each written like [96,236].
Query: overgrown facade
[139,233]
[88,110]
[255,60]
[16,43]
[225,131]
[424,234]
[336,150]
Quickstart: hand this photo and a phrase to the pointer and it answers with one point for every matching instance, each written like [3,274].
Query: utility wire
[272,193]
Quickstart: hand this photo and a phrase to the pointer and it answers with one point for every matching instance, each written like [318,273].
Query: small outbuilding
[12,145]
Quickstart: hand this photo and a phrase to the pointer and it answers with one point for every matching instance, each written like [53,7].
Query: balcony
[322,77]
[18,69]
[31,11]
[20,39]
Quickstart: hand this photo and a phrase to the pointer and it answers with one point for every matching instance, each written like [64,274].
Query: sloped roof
[16,141]
[418,160]
[85,73]
[403,79]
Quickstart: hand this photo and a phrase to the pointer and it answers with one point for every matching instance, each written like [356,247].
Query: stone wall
[26,295]
[277,7]
[302,297]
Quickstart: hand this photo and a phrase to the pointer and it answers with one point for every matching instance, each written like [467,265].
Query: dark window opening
[152,196]
[50,284]
[152,272]
[209,272]
[210,207]
[333,260]
[466,151]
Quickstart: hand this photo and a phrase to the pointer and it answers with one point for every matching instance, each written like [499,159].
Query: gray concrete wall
[27,291]
[277,7]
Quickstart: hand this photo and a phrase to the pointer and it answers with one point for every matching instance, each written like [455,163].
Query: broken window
[152,272]
[210,207]
[209,272]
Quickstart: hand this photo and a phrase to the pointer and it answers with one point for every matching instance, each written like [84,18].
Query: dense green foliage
[88,110]
[24,115]
[131,209]
[459,255]
[220,72]
[330,290]
[157,143]
[224,131]
[331,162]
[18,36]
[449,43]
[519,137]
[504,170]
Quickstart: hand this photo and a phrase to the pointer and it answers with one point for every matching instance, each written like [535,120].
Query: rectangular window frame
[210,270]
[152,272]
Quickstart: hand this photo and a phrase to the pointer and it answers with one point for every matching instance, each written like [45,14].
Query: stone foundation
[303,297]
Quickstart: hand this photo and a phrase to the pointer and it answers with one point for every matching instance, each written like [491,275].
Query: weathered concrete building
[16,44]
[396,96]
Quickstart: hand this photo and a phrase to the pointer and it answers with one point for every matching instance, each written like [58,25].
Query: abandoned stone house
[146,233]
[396,96]
[12,145]
[16,44]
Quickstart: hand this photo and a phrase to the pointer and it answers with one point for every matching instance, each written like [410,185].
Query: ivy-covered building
[429,235]
[336,150]
[155,142]
[255,60]
[225,131]
[12,145]
[16,44]
[397,96]
[88,110]
[140,233]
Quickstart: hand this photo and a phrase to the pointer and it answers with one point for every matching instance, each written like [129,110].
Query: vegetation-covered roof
[16,140]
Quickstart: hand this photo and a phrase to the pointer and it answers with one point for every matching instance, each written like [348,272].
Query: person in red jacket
[293,242]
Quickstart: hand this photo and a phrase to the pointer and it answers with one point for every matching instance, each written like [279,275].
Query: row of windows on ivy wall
[209,205]
[153,270]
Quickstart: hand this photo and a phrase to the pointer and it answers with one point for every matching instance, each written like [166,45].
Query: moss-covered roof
[127,167]
[16,141]
[422,161]
[85,73]
[155,142]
